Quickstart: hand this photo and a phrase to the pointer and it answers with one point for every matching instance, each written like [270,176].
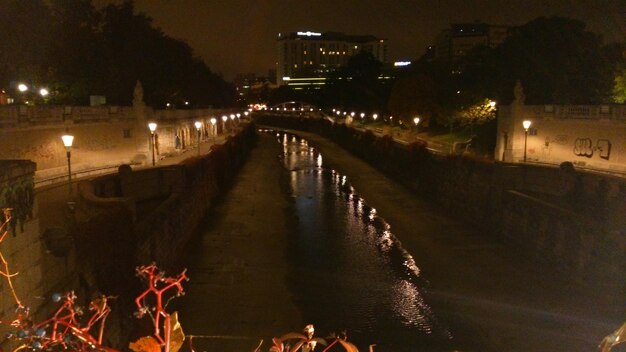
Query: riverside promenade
[52,199]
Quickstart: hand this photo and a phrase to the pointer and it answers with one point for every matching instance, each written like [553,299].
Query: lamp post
[68,139]
[416,121]
[213,128]
[198,124]
[526,125]
[152,126]
[224,119]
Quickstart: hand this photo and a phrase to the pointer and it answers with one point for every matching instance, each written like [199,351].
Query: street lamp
[526,125]
[152,126]
[224,119]
[375,116]
[198,124]
[68,139]
[416,121]
[213,129]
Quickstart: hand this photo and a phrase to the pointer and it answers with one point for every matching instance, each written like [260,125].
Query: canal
[304,237]
[348,270]
[292,244]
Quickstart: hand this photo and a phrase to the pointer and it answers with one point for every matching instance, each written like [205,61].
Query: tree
[619,90]
[477,114]
[557,61]
[24,41]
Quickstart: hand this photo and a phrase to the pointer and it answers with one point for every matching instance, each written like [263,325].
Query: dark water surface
[347,269]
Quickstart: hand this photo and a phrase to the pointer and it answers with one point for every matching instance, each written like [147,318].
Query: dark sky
[239,36]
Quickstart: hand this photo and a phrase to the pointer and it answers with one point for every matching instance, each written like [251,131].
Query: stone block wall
[104,136]
[587,136]
[22,247]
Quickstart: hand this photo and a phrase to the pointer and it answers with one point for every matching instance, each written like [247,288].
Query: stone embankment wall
[589,136]
[137,217]
[573,221]
[29,255]
[105,136]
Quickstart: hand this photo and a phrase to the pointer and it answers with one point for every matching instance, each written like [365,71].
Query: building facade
[311,56]
[457,40]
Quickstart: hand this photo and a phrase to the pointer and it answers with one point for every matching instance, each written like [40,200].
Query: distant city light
[309,34]
[401,63]
[43,92]
[286,78]
[22,87]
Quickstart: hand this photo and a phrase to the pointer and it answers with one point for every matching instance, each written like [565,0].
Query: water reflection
[349,270]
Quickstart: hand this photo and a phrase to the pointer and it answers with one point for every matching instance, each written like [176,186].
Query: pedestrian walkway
[55,200]
[237,293]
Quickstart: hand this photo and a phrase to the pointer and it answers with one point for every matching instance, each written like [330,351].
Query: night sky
[239,36]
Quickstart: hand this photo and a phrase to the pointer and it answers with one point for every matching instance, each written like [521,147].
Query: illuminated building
[308,57]
[457,40]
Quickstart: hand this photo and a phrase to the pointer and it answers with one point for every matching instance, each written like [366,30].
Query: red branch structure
[158,285]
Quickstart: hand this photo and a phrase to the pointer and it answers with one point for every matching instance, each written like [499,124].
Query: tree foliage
[556,60]
[77,50]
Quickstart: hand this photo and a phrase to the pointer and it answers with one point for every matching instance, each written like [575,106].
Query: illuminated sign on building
[309,34]
[401,63]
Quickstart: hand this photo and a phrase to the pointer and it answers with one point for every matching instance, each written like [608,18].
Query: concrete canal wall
[140,216]
[573,221]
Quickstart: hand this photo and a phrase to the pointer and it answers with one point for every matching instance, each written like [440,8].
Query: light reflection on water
[349,270]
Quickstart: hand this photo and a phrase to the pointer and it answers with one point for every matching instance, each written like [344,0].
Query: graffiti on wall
[20,197]
[585,147]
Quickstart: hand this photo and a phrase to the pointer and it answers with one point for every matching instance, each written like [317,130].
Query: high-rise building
[312,56]
[457,40]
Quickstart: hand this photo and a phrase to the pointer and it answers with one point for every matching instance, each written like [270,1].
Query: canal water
[347,269]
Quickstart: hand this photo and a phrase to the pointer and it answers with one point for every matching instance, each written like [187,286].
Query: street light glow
[375,116]
[43,92]
[22,87]
[152,126]
[416,120]
[68,139]
[198,124]
[224,118]
[213,121]
[526,124]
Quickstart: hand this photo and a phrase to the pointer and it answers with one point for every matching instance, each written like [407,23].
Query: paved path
[52,200]
[237,290]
